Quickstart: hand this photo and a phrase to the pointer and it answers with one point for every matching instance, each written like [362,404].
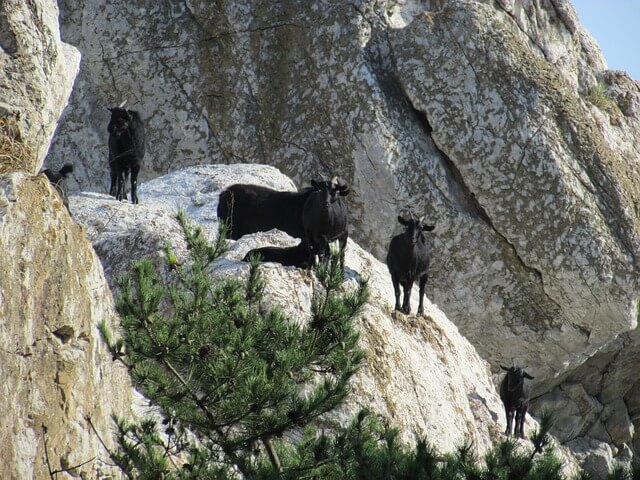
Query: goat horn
[422,218]
[122,104]
[334,180]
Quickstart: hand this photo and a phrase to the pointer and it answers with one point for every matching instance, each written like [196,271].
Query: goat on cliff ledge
[57,181]
[126,150]
[408,261]
[514,393]
[325,216]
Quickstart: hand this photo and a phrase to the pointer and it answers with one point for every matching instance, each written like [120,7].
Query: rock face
[420,372]
[556,204]
[37,73]
[496,119]
[54,367]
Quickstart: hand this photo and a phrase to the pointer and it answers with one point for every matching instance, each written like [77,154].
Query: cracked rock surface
[37,72]
[54,366]
[419,371]
[480,114]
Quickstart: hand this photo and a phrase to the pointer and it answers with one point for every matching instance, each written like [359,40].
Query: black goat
[57,180]
[253,208]
[126,150]
[408,261]
[514,393]
[298,256]
[325,216]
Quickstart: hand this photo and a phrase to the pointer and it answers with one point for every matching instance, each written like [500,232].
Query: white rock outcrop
[420,372]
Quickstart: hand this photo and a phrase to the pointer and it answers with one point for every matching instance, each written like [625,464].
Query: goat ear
[110,109]
[505,368]
[314,184]
[428,228]
[403,221]
[526,375]
[343,191]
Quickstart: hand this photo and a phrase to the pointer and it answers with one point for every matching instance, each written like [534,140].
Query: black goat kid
[408,261]
[298,256]
[325,216]
[57,181]
[514,393]
[126,150]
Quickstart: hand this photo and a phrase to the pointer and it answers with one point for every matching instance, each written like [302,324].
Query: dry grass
[600,97]
[15,155]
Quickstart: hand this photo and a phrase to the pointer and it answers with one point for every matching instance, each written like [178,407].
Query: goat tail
[66,169]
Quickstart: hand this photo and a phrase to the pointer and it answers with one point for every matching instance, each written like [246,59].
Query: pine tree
[230,377]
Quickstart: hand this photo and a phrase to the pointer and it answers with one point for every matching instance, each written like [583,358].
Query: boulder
[595,457]
[574,410]
[617,422]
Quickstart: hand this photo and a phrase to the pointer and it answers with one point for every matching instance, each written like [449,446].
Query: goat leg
[423,285]
[120,186]
[406,304]
[134,183]
[114,183]
[509,414]
[396,290]
[343,246]
[519,427]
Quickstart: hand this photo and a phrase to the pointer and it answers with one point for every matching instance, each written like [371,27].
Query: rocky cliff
[38,70]
[498,120]
[56,374]
[419,371]
[57,377]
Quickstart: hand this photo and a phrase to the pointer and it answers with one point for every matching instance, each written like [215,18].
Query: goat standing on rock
[254,208]
[408,261]
[325,216]
[514,393]
[126,150]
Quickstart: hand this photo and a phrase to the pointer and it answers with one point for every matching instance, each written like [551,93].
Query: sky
[615,24]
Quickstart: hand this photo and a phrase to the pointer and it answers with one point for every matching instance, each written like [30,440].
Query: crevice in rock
[8,42]
[604,374]
[380,61]
[64,333]
[465,200]
[526,34]
[107,64]
[473,206]
[26,352]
